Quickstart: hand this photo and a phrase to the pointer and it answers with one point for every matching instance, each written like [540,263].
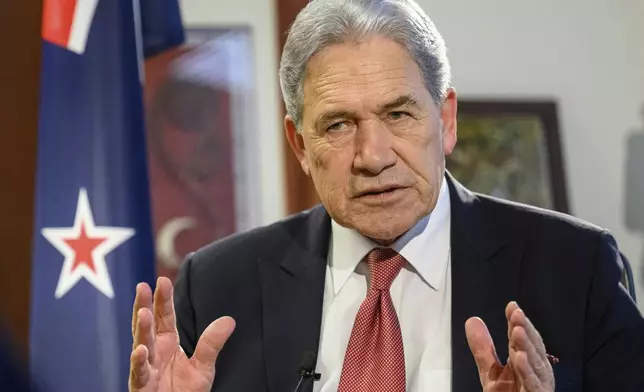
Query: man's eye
[337,126]
[398,115]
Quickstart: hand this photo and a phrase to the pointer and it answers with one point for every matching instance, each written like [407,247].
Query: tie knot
[384,265]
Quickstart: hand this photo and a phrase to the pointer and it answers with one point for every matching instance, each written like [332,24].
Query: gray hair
[326,22]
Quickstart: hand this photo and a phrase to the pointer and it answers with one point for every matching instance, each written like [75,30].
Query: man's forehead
[359,99]
[351,61]
[355,96]
[355,77]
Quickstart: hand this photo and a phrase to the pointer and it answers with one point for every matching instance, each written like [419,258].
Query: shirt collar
[426,246]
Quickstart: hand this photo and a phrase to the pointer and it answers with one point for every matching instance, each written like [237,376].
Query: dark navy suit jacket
[563,272]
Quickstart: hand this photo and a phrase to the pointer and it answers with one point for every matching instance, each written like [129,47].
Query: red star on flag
[85,246]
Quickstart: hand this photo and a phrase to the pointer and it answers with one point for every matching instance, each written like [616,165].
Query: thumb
[211,342]
[482,347]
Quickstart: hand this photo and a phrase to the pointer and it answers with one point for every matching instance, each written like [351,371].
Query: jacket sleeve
[614,328]
[183,308]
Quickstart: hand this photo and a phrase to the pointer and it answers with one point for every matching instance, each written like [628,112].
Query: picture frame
[200,129]
[511,149]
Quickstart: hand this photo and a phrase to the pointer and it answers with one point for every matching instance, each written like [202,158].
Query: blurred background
[551,114]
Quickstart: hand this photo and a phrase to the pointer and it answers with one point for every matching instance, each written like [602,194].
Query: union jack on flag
[67,22]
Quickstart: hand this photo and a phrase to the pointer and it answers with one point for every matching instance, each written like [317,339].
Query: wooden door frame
[20,22]
[300,193]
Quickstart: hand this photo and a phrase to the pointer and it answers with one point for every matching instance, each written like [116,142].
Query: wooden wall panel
[19,80]
[300,192]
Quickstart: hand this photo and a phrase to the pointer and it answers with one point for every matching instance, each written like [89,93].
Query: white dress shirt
[421,295]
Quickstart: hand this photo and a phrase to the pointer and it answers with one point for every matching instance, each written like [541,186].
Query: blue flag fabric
[161,26]
[93,235]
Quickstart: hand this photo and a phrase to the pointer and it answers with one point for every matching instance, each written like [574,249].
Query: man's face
[372,139]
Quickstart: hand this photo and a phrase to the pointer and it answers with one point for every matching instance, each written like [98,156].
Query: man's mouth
[380,191]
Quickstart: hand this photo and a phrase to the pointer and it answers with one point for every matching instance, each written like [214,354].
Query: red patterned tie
[375,359]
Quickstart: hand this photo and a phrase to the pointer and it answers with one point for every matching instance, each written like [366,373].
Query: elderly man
[402,280]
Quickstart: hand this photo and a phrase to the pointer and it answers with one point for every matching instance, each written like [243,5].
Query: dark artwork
[510,150]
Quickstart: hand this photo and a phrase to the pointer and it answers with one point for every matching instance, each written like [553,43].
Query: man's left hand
[528,368]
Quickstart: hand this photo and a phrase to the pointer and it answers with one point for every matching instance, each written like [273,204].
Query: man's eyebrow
[328,117]
[406,100]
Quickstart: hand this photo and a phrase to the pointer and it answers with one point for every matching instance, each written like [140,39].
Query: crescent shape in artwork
[166,238]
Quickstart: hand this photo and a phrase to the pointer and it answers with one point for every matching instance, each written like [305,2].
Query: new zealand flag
[93,234]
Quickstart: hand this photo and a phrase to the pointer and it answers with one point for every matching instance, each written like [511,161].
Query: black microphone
[307,369]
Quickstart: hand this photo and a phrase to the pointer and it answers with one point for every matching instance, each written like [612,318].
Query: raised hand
[157,363]
[528,368]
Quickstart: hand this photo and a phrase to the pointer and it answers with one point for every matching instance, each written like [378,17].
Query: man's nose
[374,148]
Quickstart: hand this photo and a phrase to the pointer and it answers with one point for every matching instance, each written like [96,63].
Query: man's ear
[448,117]
[296,142]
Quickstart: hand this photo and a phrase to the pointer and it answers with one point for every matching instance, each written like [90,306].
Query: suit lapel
[292,299]
[486,263]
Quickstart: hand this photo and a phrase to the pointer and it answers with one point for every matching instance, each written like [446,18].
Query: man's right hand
[157,363]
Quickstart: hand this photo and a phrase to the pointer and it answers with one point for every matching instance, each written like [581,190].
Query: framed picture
[200,114]
[511,150]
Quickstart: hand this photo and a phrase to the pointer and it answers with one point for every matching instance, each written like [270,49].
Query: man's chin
[382,223]
[384,231]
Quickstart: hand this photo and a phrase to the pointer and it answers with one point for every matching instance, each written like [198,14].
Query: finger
[518,318]
[164,316]
[143,299]
[144,334]
[482,347]
[139,368]
[509,310]
[525,372]
[211,342]
[538,363]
